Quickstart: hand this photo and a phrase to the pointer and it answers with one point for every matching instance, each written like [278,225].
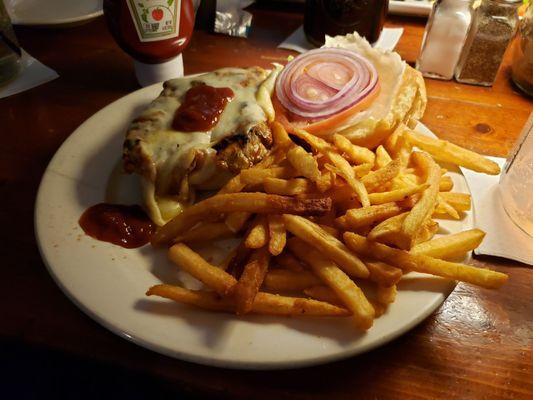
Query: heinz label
[155,19]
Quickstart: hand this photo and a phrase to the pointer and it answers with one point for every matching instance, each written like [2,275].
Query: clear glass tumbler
[516,181]
[10,52]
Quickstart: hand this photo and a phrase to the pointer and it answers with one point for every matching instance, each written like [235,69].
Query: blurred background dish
[52,12]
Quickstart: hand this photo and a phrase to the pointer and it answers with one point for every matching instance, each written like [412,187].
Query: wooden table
[478,344]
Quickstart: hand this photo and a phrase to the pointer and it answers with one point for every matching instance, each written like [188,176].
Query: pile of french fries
[328,228]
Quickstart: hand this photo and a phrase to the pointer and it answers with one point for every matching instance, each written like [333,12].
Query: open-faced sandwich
[202,130]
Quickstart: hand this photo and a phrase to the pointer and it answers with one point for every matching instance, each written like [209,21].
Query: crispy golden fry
[395,195]
[459,201]
[361,170]
[258,235]
[445,151]
[254,176]
[445,184]
[191,262]
[386,294]
[325,181]
[288,261]
[235,221]
[375,179]
[388,230]
[425,206]
[421,263]
[304,163]
[280,135]
[450,246]
[343,168]
[351,295]
[356,154]
[382,157]
[205,232]
[331,247]
[319,145]
[277,233]
[290,187]
[382,273]
[403,149]
[251,280]
[323,293]
[264,303]
[331,230]
[365,216]
[444,208]
[226,203]
[237,259]
[426,232]
[286,280]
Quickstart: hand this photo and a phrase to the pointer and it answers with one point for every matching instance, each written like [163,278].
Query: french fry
[319,145]
[362,169]
[443,150]
[235,221]
[254,176]
[331,247]
[395,195]
[304,163]
[192,263]
[445,184]
[459,201]
[365,216]
[325,181]
[387,231]
[425,206]
[386,294]
[286,280]
[226,203]
[288,261]
[382,273]
[258,235]
[323,293]
[264,303]
[251,280]
[350,294]
[420,263]
[382,157]
[450,246]
[205,231]
[280,135]
[426,232]
[444,208]
[356,154]
[343,168]
[277,234]
[290,187]
[373,180]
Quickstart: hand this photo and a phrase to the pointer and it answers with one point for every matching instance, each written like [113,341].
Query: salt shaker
[493,26]
[444,37]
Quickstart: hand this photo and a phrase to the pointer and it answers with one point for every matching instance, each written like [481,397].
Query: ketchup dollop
[126,226]
[201,108]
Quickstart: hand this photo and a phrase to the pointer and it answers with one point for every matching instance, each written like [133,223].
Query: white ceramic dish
[52,12]
[108,282]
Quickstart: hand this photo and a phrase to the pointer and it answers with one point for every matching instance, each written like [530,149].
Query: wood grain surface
[477,345]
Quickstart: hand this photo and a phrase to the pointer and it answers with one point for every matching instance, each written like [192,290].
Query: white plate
[108,282]
[52,12]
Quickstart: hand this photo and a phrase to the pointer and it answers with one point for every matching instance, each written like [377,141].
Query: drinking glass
[10,52]
[516,181]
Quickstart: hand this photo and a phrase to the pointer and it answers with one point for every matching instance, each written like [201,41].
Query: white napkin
[297,41]
[504,238]
[33,73]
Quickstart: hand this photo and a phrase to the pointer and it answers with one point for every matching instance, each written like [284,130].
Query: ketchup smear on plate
[126,226]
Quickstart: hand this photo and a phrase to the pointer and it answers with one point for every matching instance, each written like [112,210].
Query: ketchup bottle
[154,33]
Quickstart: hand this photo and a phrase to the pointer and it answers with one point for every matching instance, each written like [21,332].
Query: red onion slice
[324,82]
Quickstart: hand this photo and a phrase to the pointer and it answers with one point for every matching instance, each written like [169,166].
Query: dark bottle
[339,17]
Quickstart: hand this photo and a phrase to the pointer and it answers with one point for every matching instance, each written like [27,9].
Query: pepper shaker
[444,37]
[522,66]
[493,26]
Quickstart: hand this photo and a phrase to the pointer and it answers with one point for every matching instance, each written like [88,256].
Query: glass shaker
[339,17]
[444,37]
[10,51]
[493,27]
[522,64]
